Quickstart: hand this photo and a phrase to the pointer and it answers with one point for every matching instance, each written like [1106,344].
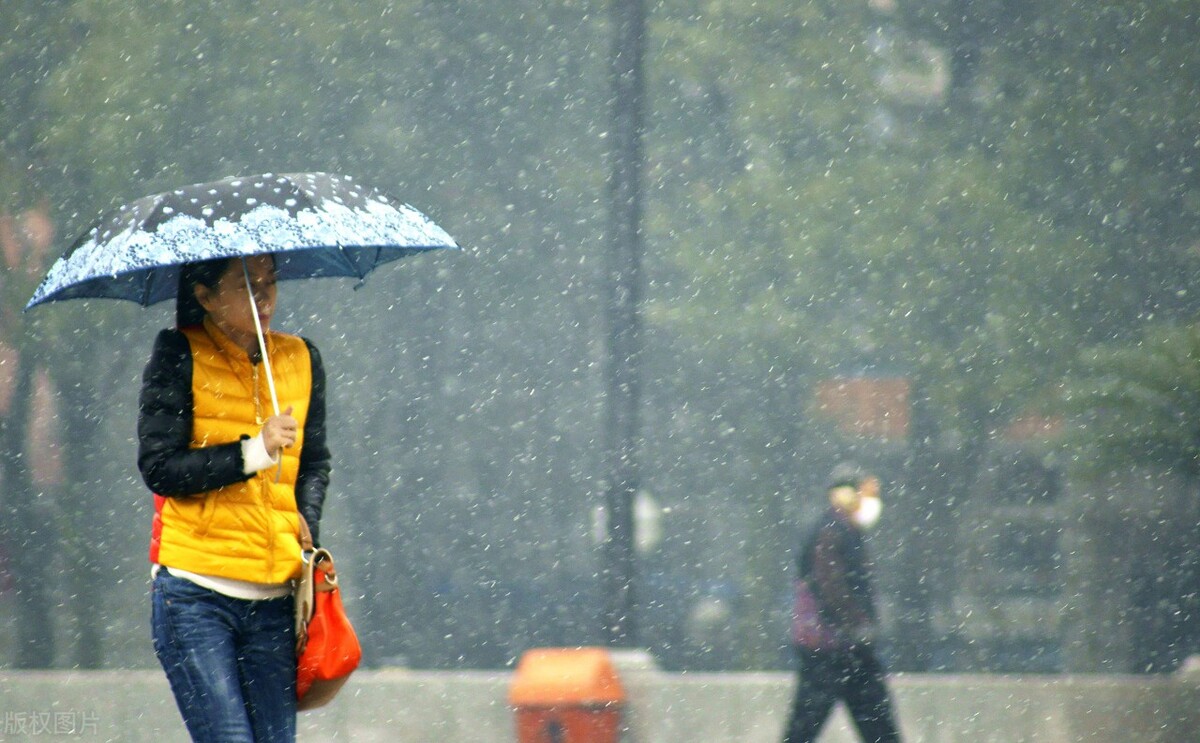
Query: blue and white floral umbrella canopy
[316,224]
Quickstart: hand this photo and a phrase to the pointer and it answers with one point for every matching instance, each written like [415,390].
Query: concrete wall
[399,706]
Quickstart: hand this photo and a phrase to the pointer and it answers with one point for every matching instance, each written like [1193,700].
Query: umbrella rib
[355,266]
[362,275]
[362,278]
[146,291]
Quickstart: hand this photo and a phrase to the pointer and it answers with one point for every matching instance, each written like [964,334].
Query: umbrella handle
[262,350]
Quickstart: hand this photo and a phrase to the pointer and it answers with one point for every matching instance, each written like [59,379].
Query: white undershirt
[238,589]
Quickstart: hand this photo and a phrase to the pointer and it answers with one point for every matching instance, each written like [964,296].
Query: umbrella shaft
[262,351]
[262,341]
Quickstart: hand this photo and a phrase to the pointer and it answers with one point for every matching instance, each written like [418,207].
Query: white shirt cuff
[255,457]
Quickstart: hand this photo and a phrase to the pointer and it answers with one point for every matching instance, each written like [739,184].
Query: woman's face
[228,304]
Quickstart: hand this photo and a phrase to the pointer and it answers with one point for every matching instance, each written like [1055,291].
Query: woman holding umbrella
[231,475]
[231,481]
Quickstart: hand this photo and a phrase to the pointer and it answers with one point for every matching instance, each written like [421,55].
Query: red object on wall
[867,406]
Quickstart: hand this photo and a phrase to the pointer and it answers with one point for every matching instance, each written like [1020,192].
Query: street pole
[623,293]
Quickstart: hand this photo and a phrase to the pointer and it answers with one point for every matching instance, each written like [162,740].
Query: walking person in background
[834,617]
[231,481]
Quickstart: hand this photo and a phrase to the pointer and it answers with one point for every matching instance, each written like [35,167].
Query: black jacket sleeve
[313,478]
[169,466]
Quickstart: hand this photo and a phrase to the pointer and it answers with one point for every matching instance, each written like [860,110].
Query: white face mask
[869,509]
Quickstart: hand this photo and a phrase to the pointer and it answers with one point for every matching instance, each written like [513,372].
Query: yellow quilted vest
[248,530]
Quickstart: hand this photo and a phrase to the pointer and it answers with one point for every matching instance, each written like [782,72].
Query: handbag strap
[306,540]
[325,578]
[324,573]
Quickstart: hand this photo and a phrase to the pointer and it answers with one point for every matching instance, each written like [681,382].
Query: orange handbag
[327,650]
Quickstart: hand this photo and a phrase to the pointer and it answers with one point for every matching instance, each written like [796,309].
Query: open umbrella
[315,224]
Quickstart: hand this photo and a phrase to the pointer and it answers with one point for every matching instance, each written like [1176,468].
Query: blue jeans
[231,662]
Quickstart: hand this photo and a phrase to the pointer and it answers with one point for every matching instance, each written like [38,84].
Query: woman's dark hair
[188,310]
